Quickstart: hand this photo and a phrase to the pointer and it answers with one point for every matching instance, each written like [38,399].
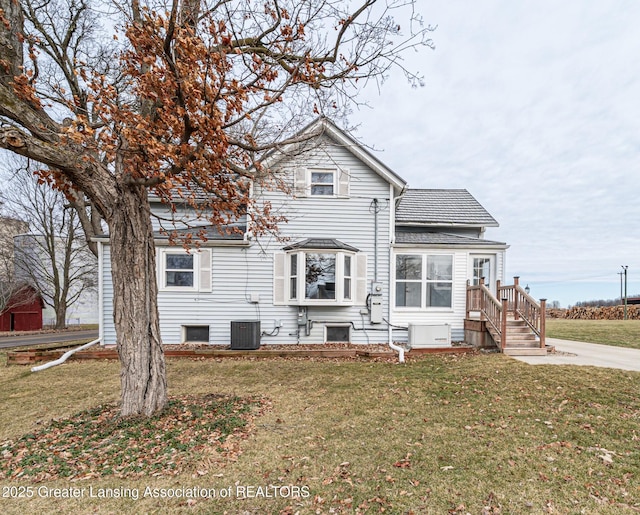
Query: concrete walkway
[589,354]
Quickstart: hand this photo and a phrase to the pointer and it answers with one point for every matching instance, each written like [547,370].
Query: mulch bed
[204,351]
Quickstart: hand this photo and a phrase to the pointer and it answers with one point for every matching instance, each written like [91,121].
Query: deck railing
[514,301]
[480,299]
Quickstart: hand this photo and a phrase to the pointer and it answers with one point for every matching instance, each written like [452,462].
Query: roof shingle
[442,207]
[442,238]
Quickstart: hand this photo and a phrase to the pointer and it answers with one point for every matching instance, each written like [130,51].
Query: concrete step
[524,351]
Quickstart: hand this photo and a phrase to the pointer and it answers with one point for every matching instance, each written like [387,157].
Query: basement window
[338,334]
[196,333]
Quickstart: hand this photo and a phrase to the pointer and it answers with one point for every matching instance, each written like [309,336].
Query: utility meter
[376,303]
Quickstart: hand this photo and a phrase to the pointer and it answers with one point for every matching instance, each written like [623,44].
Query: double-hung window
[424,281]
[179,270]
[322,183]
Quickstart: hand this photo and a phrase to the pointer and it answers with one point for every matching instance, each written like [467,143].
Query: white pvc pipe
[399,350]
[64,357]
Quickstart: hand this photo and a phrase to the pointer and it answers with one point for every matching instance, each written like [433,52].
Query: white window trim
[301,299]
[337,324]
[310,183]
[184,333]
[423,281]
[492,269]
[341,182]
[201,270]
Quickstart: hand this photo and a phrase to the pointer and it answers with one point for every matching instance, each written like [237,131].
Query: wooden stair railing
[515,301]
[480,298]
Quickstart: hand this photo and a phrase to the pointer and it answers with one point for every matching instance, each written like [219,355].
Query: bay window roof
[320,244]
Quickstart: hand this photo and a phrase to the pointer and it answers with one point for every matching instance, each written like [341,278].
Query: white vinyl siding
[240,275]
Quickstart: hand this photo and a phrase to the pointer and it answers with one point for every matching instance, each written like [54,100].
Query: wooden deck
[513,321]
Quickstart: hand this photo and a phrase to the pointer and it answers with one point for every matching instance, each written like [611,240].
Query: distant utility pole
[621,297]
[625,267]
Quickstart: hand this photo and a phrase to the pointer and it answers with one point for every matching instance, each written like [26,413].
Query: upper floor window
[424,281]
[322,183]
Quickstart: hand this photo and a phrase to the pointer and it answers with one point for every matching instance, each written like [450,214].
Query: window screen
[196,333]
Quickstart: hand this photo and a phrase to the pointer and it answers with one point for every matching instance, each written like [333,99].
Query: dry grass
[469,434]
[621,333]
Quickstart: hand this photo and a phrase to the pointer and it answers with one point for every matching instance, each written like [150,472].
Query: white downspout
[392,231]
[100,291]
[64,357]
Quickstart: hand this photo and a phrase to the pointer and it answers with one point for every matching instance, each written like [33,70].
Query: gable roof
[324,127]
[357,149]
[452,207]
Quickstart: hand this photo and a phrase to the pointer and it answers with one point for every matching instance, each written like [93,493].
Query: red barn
[23,311]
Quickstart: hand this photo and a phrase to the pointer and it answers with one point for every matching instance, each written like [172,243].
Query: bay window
[319,272]
[320,276]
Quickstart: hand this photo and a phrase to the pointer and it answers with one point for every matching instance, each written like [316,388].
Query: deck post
[468,298]
[543,322]
[516,283]
[503,328]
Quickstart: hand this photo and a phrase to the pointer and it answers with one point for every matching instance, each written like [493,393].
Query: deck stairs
[521,340]
[516,322]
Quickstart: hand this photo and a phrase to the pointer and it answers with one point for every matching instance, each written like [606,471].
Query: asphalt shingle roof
[210,232]
[320,243]
[442,207]
[440,238]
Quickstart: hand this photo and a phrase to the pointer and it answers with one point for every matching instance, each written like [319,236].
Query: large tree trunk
[135,309]
[61,315]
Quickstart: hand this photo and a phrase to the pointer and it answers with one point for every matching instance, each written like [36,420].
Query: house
[22,311]
[365,260]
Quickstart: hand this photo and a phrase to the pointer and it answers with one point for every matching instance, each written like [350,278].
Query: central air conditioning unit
[245,334]
[429,336]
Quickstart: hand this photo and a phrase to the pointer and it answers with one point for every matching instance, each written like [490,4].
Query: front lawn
[621,333]
[473,434]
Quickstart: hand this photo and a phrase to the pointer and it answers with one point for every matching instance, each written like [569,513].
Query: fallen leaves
[99,443]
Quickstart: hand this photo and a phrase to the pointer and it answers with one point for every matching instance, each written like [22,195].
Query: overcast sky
[534,107]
